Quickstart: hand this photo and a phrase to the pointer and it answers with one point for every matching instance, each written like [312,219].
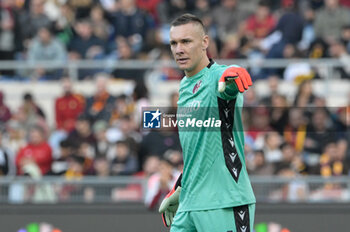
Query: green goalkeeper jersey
[214,174]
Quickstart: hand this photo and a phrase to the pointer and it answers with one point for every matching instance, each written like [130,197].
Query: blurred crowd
[101,135]
[298,137]
[61,31]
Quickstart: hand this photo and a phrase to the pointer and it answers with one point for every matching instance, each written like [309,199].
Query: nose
[179,49]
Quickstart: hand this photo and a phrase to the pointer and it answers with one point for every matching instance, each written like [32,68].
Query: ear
[205,42]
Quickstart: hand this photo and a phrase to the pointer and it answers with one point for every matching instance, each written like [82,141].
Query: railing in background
[325,65]
[268,189]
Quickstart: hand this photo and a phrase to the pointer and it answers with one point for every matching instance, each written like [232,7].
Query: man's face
[188,45]
[44,35]
[67,85]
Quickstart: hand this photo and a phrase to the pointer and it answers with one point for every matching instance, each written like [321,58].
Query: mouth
[182,60]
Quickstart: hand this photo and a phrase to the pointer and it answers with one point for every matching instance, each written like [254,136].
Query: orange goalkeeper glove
[235,74]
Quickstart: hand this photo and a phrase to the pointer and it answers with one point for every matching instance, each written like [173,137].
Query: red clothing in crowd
[67,109]
[41,154]
[150,6]
[344,3]
[5,113]
[260,28]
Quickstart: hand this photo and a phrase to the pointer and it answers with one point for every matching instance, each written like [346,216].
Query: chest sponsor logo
[196,87]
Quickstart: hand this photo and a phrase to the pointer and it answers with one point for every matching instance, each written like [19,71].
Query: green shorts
[236,219]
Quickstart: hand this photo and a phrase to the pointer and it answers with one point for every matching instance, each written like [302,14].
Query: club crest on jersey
[196,87]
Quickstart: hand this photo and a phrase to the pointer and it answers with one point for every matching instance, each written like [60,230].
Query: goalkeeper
[213,194]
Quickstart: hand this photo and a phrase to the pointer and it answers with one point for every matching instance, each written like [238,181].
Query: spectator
[140,97]
[330,19]
[84,137]
[131,23]
[261,23]
[100,105]
[15,136]
[296,71]
[318,49]
[295,130]
[99,24]
[30,105]
[338,51]
[149,167]
[304,96]
[332,162]
[103,146]
[175,158]
[64,24]
[318,133]
[150,6]
[227,17]
[345,37]
[67,149]
[258,166]
[46,48]
[37,151]
[88,153]
[160,183]
[102,167]
[52,9]
[279,113]
[273,84]
[85,45]
[33,20]
[81,7]
[308,31]
[123,106]
[163,72]
[202,11]
[10,37]
[231,48]
[30,114]
[290,160]
[250,98]
[75,169]
[260,125]
[5,113]
[124,52]
[157,142]
[124,161]
[5,162]
[125,129]
[170,9]
[68,107]
[290,26]
[271,147]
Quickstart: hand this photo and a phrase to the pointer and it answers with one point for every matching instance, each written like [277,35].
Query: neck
[202,64]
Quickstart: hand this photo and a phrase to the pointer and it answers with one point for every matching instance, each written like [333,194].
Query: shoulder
[219,69]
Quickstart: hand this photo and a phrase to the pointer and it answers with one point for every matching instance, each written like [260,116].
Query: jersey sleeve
[231,90]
